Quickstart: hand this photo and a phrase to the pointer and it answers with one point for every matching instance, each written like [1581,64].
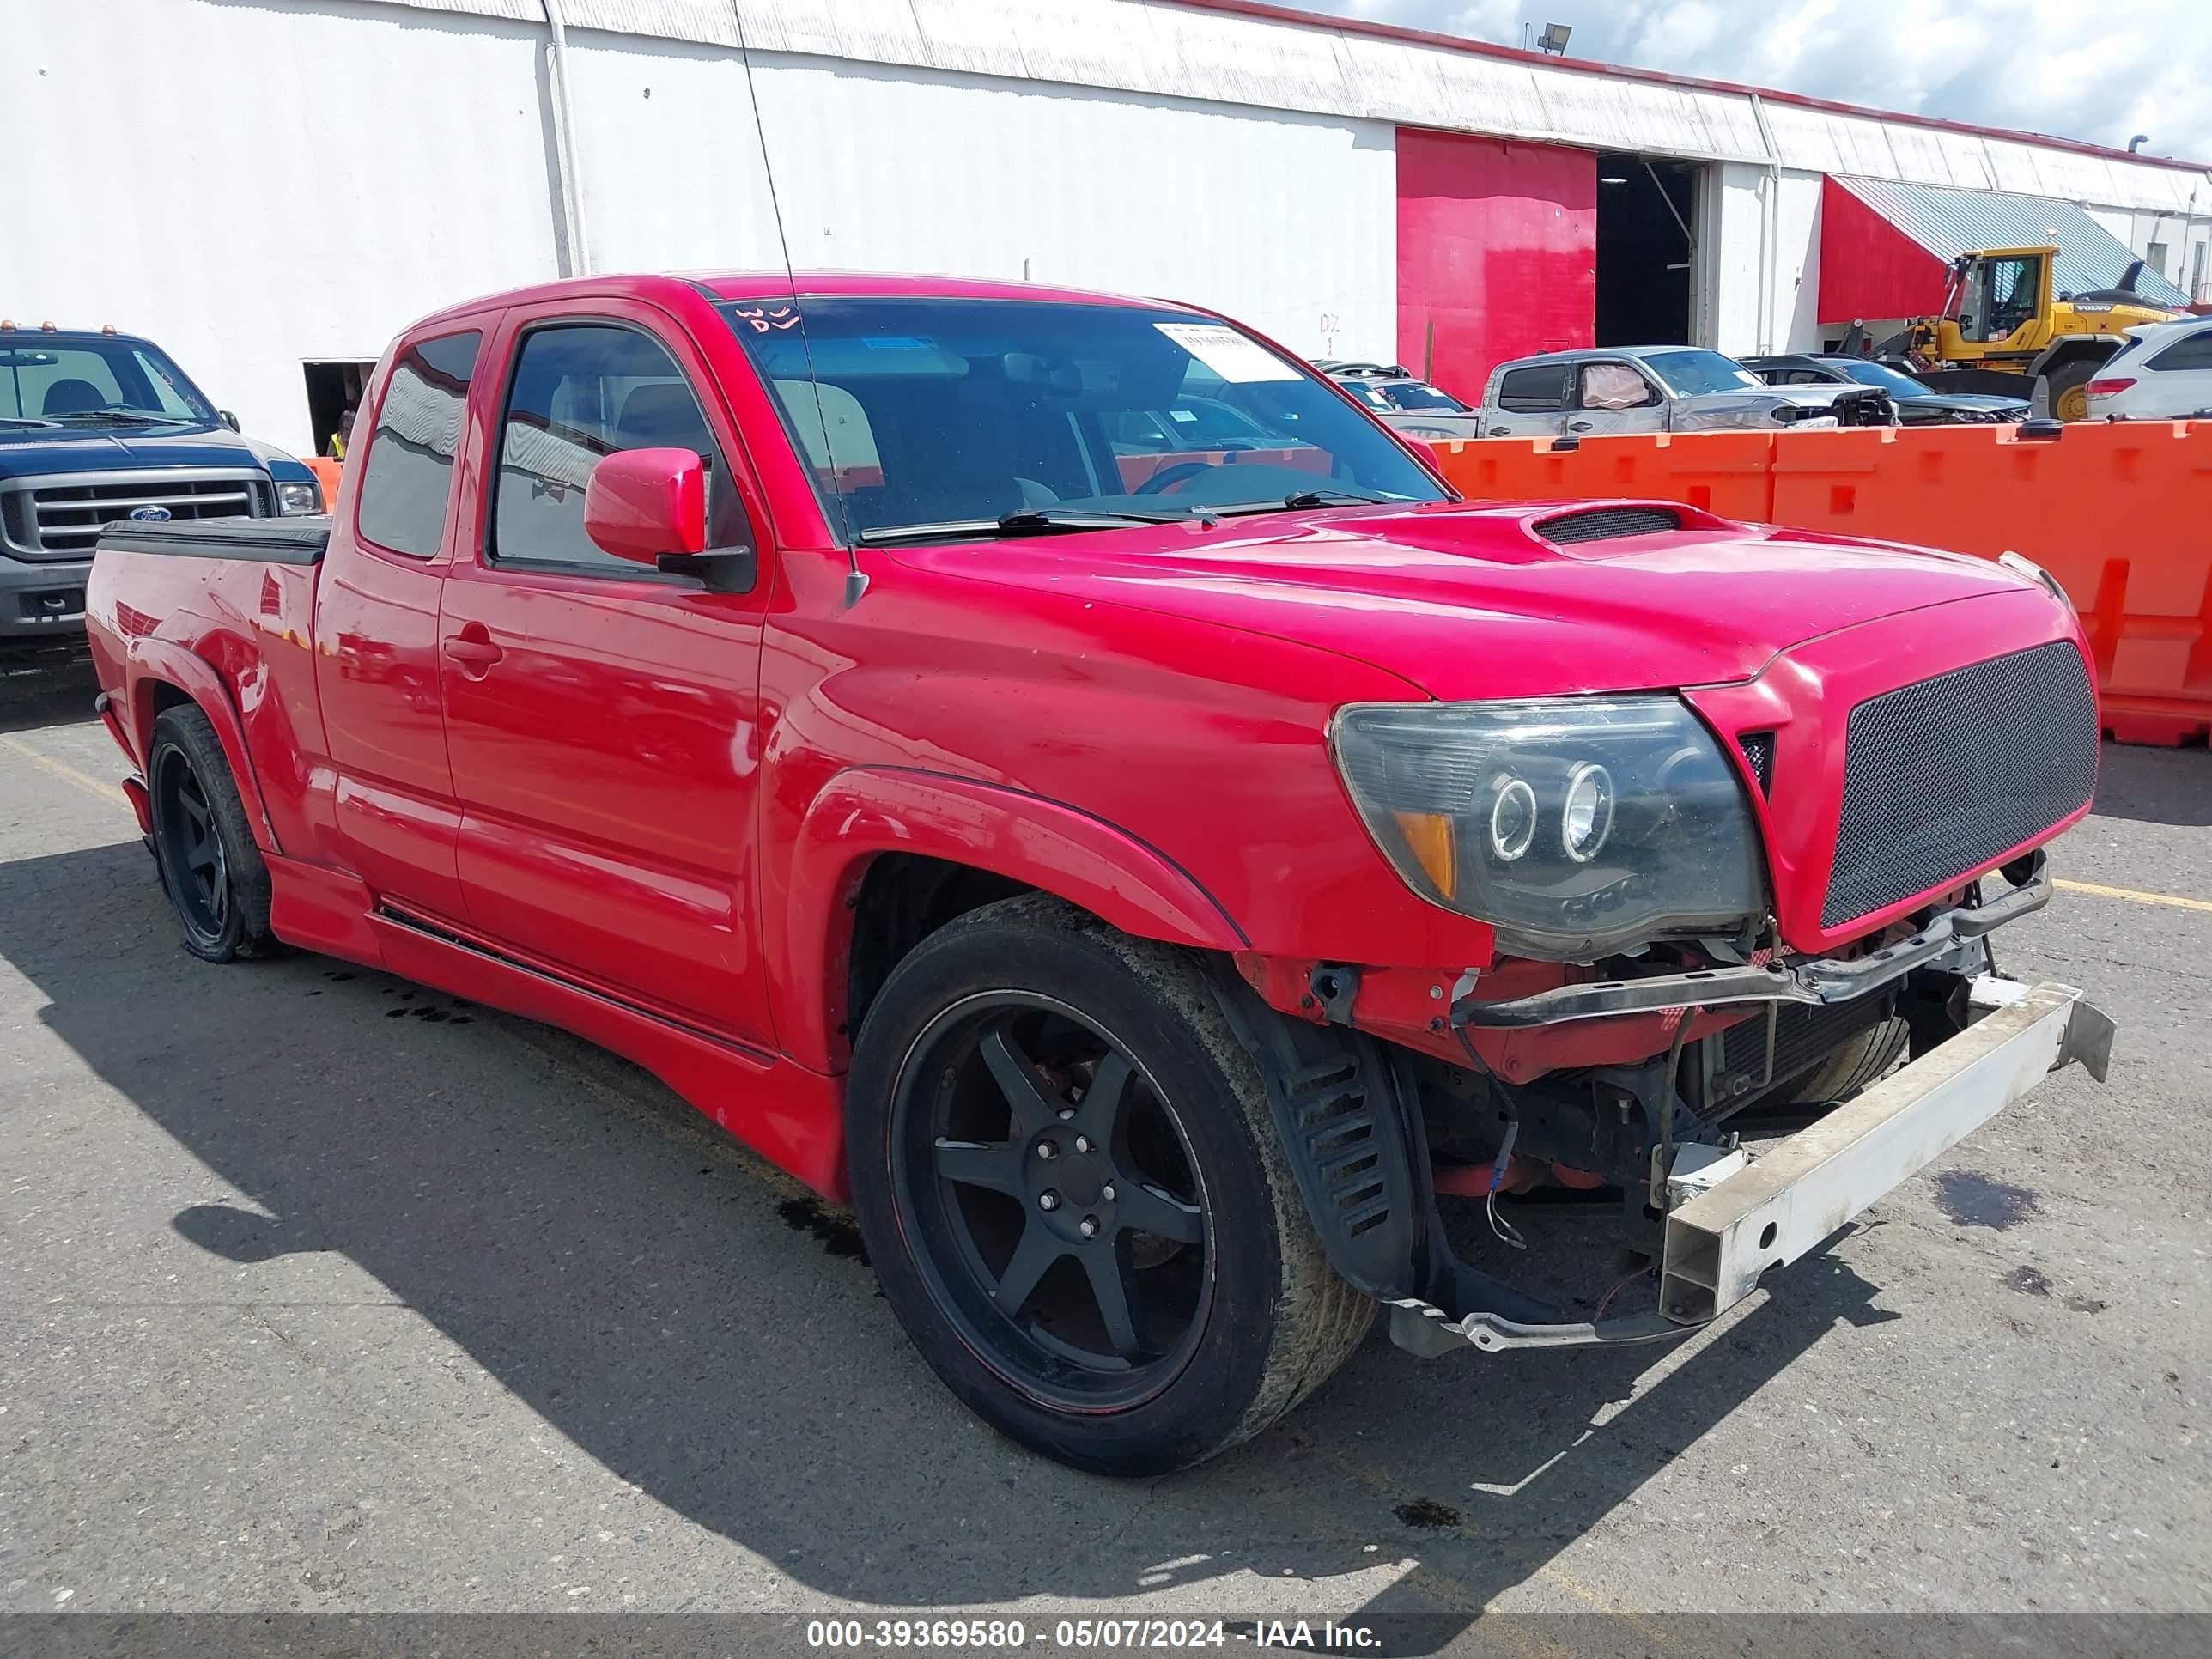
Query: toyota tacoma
[1137,889]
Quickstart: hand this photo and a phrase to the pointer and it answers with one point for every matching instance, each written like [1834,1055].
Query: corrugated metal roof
[1950,223]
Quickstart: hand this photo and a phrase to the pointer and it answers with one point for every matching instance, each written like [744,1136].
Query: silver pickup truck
[1659,389]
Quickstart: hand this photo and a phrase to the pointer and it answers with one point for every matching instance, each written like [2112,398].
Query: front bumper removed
[1796,1192]
[1800,1190]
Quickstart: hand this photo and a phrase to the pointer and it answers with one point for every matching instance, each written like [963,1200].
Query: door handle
[1578,426]
[1501,432]
[472,649]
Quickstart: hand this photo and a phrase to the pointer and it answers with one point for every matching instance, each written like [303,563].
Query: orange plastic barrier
[2120,513]
[327,472]
[1730,473]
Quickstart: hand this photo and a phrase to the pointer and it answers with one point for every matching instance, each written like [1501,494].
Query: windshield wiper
[1299,498]
[1026,521]
[24,420]
[134,416]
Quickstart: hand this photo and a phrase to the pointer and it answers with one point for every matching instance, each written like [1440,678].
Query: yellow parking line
[85,780]
[2131,895]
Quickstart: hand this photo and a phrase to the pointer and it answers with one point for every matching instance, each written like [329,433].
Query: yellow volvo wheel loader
[2001,324]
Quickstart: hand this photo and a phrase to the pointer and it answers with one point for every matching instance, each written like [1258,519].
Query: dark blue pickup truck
[95,428]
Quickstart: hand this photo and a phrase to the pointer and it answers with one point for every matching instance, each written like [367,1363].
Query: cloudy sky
[2147,69]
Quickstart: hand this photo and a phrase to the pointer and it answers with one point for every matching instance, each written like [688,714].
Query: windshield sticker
[1227,353]
[1181,415]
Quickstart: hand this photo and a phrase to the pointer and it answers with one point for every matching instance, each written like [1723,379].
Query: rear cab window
[1539,389]
[407,475]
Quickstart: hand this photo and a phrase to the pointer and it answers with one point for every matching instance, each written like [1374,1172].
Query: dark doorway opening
[1647,220]
[333,393]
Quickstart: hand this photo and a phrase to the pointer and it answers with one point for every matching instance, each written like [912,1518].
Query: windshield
[1412,395]
[1881,374]
[961,412]
[64,379]
[1689,372]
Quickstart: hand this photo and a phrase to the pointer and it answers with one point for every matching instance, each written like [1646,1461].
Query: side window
[409,472]
[2195,352]
[1541,389]
[581,392]
[1612,386]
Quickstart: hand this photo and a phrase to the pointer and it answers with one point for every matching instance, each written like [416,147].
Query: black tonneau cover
[261,541]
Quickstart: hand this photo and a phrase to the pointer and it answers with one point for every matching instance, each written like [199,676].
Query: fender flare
[166,662]
[2103,347]
[866,812]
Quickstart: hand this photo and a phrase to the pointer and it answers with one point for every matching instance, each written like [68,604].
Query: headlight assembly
[295,499]
[1574,825]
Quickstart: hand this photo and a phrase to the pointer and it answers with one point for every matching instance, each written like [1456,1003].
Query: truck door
[602,718]
[1532,403]
[376,631]
[1614,395]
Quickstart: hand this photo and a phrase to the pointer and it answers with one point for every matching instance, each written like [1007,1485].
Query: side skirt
[793,1116]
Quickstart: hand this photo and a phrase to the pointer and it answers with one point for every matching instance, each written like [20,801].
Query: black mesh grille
[1605,523]
[1759,748]
[1945,774]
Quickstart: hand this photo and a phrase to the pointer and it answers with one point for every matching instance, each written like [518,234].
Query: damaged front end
[1645,875]
[1375,1130]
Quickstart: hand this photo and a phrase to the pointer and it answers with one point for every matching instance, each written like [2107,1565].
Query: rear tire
[1029,1023]
[203,844]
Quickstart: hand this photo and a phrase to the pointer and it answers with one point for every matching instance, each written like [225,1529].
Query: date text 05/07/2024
[987,1635]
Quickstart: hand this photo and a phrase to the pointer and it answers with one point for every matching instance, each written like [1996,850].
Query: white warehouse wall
[298,184]
[277,185]
[1285,222]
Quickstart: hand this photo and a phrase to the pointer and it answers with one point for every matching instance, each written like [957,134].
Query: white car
[2164,372]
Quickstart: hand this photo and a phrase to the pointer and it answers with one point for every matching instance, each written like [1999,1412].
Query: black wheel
[210,866]
[1069,1184]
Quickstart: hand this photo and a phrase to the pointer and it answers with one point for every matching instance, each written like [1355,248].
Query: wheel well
[2068,352]
[905,897]
[155,697]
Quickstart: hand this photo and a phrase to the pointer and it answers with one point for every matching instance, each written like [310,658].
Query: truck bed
[261,541]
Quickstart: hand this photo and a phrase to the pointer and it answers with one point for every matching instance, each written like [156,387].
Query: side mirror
[227,419]
[649,506]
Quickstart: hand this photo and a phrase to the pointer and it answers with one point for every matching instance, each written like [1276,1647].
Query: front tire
[2068,382]
[1070,1185]
[203,844]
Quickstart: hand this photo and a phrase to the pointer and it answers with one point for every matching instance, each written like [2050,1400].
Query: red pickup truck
[1138,872]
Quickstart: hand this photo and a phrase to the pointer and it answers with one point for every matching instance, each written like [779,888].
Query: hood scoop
[1606,523]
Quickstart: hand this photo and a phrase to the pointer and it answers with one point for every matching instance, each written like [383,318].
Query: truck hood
[34,452]
[1475,602]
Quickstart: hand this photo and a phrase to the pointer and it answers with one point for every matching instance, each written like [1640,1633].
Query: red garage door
[1497,253]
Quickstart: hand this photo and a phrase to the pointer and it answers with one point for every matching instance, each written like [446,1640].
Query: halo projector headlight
[1575,826]
[1587,817]
[1512,820]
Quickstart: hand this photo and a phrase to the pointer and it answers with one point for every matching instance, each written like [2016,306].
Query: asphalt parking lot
[323,1293]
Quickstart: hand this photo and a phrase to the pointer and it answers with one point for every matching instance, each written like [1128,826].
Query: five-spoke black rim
[191,846]
[1054,1201]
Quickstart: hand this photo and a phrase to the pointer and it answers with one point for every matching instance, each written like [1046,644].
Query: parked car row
[1662,389]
